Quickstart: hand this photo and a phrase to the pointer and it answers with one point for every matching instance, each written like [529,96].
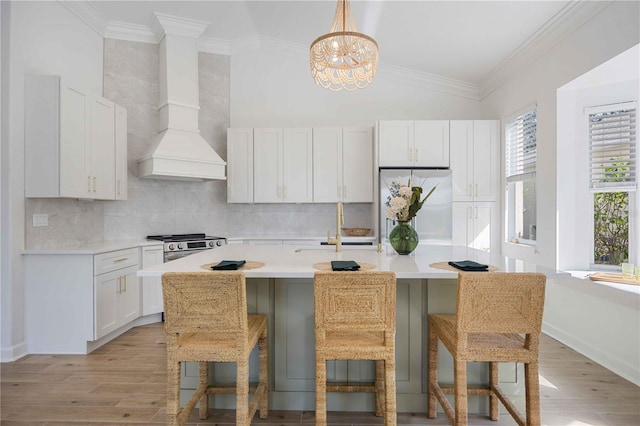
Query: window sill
[619,293]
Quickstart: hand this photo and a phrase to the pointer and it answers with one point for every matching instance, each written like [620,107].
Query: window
[520,167]
[613,160]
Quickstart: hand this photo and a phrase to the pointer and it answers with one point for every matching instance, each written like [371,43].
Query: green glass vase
[403,238]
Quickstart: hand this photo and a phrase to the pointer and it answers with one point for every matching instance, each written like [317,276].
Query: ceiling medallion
[344,58]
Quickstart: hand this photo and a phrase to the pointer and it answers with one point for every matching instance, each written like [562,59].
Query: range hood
[179,152]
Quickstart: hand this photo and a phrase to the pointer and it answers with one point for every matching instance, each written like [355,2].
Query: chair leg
[494,408]
[532,390]
[433,373]
[460,392]
[390,417]
[263,351]
[242,392]
[204,380]
[380,387]
[321,391]
[173,392]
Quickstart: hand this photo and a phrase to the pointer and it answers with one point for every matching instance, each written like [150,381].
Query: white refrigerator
[433,221]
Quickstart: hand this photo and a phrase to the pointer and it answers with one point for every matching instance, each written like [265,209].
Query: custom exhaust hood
[178,151]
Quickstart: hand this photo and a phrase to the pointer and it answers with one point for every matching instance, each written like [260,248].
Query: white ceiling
[467,41]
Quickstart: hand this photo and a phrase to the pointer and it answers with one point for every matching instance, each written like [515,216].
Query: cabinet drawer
[114,260]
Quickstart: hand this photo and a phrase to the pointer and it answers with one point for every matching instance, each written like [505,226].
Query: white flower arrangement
[404,202]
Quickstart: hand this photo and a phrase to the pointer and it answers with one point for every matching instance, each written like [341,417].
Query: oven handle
[179,254]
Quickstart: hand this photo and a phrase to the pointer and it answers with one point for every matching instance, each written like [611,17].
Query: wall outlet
[41,219]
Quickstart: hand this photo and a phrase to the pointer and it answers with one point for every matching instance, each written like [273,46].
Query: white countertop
[289,261]
[94,247]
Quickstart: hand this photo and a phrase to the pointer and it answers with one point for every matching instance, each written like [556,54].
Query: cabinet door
[103,151]
[395,143]
[485,226]
[106,289]
[357,165]
[461,159]
[129,296]
[462,223]
[121,152]
[431,143]
[75,150]
[327,164]
[240,165]
[267,165]
[485,160]
[297,166]
[151,286]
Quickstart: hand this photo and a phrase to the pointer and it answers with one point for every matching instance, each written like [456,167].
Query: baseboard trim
[13,353]
[619,367]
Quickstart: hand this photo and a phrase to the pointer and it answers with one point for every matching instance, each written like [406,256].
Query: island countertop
[290,261]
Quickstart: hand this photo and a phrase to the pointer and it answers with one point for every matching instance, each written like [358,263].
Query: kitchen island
[280,284]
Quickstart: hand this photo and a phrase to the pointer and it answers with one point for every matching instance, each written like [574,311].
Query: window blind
[521,151]
[613,149]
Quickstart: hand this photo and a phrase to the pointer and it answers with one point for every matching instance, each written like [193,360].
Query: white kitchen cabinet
[476,225]
[116,290]
[151,287]
[70,141]
[421,143]
[282,165]
[343,165]
[74,299]
[121,152]
[240,165]
[475,153]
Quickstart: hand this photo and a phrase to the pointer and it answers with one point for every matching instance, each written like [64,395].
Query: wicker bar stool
[206,321]
[493,310]
[355,319]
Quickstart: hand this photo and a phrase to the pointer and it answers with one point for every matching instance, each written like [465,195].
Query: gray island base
[283,289]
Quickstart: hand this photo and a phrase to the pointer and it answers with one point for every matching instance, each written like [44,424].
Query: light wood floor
[124,383]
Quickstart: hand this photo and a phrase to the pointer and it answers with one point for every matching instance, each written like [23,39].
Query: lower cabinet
[117,300]
[151,287]
[74,299]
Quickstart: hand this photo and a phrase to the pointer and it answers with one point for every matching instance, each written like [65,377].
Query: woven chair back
[213,302]
[363,301]
[500,302]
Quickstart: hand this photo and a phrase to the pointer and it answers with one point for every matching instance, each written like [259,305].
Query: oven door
[179,254]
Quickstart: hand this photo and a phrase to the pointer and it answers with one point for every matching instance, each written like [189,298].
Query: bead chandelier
[344,58]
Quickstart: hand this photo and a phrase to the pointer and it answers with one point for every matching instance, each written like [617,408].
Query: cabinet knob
[417,155]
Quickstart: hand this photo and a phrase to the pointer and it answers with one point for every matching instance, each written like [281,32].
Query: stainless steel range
[181,245]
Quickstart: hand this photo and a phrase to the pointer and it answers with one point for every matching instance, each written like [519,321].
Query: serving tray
[613,278]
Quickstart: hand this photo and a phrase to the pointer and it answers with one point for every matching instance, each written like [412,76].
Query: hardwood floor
[124,383]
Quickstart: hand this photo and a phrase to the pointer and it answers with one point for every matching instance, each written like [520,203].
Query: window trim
[527,173]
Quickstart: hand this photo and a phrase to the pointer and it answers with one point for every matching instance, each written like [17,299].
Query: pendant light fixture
[344,58]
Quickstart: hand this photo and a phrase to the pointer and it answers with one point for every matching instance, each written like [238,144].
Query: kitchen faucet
[337,241]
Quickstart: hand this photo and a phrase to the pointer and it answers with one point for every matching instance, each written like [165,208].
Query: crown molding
[214,45]
[162,24]
[130,32]
[87,14]
[562,24]
[428,81]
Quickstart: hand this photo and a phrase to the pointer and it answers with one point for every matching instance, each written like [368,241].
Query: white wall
[273,87]
[46,38]
[611,32]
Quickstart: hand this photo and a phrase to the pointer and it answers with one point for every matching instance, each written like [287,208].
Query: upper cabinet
[240,165]
[343,165]
[282,165]
[75,142]
[423,143]
[475,169]
[121,152]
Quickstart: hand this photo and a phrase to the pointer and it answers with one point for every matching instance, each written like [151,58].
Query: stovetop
[182,237]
